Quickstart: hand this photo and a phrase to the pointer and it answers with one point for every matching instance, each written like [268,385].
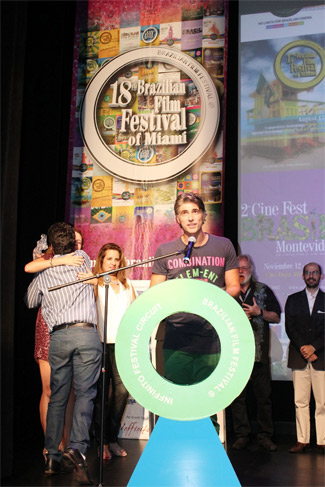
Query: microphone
[188,250]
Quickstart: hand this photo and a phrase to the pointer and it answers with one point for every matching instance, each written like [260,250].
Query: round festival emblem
[126,195]
[167,399]
[145,154]
[109,122]
[106,38]
[91,65]
[126,154]
[98,185]
[83,167]
[150,35]
[85,183]
[149,115]
[91,41]
[300,64]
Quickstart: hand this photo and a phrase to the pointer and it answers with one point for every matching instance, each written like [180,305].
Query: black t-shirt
[186,331]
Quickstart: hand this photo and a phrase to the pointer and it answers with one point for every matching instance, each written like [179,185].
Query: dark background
[37,53]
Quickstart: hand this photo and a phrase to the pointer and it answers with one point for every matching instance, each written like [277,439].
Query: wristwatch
[261,313]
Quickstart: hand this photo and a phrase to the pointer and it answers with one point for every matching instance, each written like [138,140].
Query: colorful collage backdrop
[105,208]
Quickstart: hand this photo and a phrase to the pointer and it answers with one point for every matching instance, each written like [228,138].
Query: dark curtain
[37,52]
[13,45]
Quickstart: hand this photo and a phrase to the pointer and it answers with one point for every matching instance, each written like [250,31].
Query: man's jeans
[77,353]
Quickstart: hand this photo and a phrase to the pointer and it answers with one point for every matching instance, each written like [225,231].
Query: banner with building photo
[146,120]
[282,137]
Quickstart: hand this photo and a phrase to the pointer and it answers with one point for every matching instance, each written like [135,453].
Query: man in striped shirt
[75,350]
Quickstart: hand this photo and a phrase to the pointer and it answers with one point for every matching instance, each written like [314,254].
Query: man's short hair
[189,198]
[62,238]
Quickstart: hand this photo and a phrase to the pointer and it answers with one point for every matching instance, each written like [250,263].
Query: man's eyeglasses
[311,273]
[244,268]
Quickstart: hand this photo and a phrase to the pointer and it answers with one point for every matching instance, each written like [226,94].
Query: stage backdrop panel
[146,120]
[281,165]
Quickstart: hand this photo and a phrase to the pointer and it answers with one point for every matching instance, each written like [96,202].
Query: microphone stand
[107,280]
[77,281]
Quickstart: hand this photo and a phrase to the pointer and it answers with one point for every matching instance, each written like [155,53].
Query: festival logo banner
[282,152]
[146,121]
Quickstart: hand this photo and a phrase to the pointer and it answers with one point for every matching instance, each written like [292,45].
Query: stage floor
[253,466]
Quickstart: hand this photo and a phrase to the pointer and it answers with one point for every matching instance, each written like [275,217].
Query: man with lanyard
[75,350]
[261,308]
[305,322]
[191,346]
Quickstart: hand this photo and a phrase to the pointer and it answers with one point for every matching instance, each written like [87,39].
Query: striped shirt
[70,304]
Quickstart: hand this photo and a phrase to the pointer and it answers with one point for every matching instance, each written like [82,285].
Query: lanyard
[246,295]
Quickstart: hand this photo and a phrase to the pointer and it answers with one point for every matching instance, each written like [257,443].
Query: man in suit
[304,322]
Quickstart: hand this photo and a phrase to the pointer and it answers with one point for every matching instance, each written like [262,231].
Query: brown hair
[189,198]
[99,263]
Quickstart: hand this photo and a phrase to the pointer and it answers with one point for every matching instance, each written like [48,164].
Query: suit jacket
[305,329]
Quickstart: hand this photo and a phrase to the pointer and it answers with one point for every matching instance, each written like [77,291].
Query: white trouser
[303,381]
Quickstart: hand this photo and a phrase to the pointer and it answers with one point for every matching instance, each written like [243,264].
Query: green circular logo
[174,401]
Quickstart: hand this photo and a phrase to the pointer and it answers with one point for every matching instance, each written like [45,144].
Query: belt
[72,325]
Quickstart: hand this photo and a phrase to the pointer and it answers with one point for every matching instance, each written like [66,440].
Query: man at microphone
[191,347]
